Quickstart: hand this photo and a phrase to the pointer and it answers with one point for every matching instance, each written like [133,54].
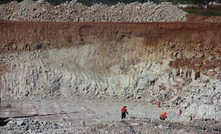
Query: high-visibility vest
[163,115]
[124,110]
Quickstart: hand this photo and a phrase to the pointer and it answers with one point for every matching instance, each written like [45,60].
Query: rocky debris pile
[146,125]
[203,101]
[77,12]
[129,125]
[199,102]
[27,126]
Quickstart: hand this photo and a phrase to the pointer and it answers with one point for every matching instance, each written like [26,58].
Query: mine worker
[124,112]
[163,116]
[180,112]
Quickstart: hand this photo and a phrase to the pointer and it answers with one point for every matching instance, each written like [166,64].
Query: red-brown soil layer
[201,39]
[21,36]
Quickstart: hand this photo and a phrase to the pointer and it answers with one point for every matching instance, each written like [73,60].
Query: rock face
[176,63]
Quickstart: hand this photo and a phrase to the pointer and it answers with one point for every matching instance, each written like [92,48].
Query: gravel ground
[95,116]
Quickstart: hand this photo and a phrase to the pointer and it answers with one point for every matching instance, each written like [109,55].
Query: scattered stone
[185,105]
[27,126]
[83,123]
[134,124]
[19,122]
[175,100]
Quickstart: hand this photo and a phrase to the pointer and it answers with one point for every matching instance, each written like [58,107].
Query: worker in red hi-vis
[180,112]
[163,116]
[158,103]
[124,112]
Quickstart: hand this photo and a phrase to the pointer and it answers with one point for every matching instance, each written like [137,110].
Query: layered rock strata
[175,63]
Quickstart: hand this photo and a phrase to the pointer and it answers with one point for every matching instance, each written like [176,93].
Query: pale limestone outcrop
[70,72]
[202,100]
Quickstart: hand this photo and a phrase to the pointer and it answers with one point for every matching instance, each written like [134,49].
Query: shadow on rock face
[3,121]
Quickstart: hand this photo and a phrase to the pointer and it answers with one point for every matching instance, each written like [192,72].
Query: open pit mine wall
[146,61]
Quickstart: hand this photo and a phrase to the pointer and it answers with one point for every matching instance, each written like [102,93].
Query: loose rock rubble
[27,126]
[127,126]
[194,100]
[77,12]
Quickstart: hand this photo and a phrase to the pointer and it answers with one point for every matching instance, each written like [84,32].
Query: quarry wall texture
[176,63]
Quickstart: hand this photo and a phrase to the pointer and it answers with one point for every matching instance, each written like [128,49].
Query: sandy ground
[94,110]
[84,116]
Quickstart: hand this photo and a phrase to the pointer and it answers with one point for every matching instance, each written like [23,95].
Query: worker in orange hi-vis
[163,116]
[124,112]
